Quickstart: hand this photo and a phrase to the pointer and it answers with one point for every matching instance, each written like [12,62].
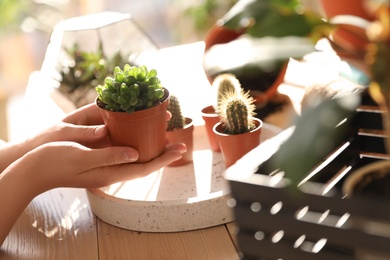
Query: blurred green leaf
[277,18]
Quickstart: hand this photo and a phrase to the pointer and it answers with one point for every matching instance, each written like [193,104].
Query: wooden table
[59,224]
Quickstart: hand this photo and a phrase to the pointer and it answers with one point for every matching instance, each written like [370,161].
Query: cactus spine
[225,84]
[237,113]
[177,120]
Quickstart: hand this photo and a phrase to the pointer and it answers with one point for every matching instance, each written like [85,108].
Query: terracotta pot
[261,98]
[144,130]
[233,147]
[349,33]
[350,7]
[211,118]
[185,136]
[220,34]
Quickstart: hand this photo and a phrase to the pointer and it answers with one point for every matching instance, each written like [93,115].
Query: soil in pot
[371,180]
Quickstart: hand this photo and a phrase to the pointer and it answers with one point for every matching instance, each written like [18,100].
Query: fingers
[81,133]
[138,170]
[112,156]
[86,115]
[168,115]
[131,171]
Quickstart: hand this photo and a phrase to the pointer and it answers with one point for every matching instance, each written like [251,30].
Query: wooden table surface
[59,224]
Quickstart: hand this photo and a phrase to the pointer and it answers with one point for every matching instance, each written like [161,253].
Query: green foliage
[177,120]
[237,112]
[88,68]
[12,14]
[275,18]
[205,13]
[131,89]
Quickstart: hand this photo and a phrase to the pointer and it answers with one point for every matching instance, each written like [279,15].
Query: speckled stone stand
[172,199]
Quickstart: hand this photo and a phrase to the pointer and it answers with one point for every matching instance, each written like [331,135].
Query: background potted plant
[84,71]
[133,105]
[265,34]
[223,84]
[180,129]
[377,60]
[239,131]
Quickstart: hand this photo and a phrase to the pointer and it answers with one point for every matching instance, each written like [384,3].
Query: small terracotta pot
[233,147]
[144,130]
[211,118]
[185,136]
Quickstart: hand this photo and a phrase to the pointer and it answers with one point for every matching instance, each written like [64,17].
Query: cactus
[131,89]
[177,120]
[225,84]
[236,113]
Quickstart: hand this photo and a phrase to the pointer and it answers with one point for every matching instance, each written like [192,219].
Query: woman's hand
[83,125]
[69,164]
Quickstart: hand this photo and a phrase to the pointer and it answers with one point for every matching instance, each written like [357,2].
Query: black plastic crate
[281,217]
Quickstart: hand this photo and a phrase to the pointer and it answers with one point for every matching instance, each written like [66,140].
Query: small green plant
[88,69]
[225,84]
[236,113]
[177,120]
[132,88]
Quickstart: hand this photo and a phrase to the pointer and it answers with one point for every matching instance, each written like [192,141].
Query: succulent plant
[177,120]
[236,113]
[132,88]
[225,84]
[88,68]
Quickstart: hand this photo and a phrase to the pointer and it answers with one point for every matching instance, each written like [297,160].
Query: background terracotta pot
[185,136]
[350,33]
[145,130]
[220,34]
[211,118]
[233,147]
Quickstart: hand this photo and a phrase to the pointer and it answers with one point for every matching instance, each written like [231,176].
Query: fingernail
[130,156]
[178,156]
[99,130]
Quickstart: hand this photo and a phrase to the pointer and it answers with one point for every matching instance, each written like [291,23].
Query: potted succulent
[239,130]
[133,105]
[222,84]
[180,130]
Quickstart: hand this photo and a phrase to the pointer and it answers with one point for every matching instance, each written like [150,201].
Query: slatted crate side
[265,249]
[342,240]
[363,144]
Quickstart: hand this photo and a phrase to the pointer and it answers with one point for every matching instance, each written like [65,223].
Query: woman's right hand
[69,164]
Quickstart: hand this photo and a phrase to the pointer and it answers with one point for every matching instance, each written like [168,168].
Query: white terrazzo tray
[188,197]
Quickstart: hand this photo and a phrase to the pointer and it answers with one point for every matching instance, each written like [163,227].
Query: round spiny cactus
[237,113]
[225,84]
[177,120]
[131,89]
